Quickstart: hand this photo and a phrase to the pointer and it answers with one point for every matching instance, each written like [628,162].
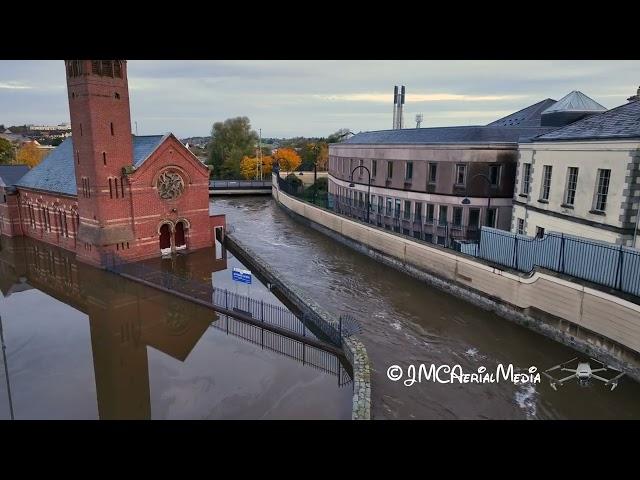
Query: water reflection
[49,347]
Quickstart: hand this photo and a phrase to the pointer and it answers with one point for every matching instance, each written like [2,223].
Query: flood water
[81,343]
[407,322]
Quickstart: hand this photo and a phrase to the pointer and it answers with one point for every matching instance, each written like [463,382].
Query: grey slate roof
[575,102]
[447,135]
[56,173]
[10,174]
[527,117]
[619,122]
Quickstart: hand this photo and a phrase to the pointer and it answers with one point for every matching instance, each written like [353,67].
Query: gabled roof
[10,174]
[527,117]
[56,173]
[447,135]
[617,123]
[575,102]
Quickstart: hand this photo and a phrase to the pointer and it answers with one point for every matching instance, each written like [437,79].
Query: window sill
[543,201]
[564,205]
[597,212]
[523,195]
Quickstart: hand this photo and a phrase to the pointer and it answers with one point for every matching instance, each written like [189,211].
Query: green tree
[231,141]
[6,151]
[338,136]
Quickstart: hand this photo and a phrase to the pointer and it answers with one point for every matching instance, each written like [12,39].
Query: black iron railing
[259,310]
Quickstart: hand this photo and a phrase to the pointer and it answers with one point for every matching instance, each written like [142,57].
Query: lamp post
[368,185]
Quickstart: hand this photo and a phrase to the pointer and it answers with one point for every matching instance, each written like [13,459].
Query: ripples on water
[407,322]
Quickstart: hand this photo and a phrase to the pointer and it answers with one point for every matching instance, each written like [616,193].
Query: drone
[584,373]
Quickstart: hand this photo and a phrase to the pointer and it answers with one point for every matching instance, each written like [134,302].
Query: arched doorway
[165,237]
[180,236]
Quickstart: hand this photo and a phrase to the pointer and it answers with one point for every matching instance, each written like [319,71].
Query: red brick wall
[49,228]
[9,214]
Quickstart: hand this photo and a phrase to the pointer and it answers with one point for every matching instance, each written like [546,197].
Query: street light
[368,187]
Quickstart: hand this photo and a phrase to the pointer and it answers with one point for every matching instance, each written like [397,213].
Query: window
[117,70]
[407,210]
[430,212]
[539,232]
[396,212]
[433,171]
[461,171]
[372,203]
[526,178]
[602,190]
[95,67]
[389,169]
[409,171]
[572,182]
[374,168]
[116,184]
[112,129]
[80,129]
[520,226]
[494,175]
[78,157]
[116,96]
[442,215]
[389,206]
[457,216]
[491,217]
[417,214]
[110,188]
[107,68]
[104,158]
[546,183]
[474,217]
[122,187]
[380,205]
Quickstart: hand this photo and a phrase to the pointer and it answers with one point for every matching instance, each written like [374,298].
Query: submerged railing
[264,312]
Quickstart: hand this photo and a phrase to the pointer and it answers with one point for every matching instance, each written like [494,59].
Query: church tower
[103,149]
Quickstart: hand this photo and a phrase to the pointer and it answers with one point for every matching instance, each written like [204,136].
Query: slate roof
[527,117]
[620,122]
[448,135]
[10,174]
[575,102]
[56,173]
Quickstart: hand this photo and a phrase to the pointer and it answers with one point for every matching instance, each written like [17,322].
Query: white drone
[583,372]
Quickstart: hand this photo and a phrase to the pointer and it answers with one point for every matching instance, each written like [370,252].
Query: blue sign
[240,275]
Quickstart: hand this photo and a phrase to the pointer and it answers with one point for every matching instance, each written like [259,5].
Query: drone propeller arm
[598,377]
[562,380]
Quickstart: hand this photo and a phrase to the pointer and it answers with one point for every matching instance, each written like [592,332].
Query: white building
[582,179]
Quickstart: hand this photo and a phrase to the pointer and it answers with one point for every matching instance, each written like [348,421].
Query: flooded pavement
[407,322]
[82,343]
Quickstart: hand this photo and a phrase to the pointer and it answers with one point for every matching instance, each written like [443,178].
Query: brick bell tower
[102,147]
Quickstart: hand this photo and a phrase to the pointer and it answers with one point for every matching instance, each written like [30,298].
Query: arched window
[107,68]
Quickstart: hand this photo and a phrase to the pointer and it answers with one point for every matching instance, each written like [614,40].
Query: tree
[288,159]
[6,151]
[231,140]
[322,158]
[248,167]
[338,136]
[30,155]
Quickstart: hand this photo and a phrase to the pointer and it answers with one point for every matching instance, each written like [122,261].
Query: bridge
[240,187]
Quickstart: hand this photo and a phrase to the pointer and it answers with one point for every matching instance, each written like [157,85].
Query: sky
[317,97]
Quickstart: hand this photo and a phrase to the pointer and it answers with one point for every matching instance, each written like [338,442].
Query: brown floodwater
[82,343]
[407,322]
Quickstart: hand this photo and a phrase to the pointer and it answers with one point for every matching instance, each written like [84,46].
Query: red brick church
[104,190]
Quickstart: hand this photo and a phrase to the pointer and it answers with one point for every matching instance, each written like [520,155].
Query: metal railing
[309,355]
[275,315]
[613,266]
[239,184]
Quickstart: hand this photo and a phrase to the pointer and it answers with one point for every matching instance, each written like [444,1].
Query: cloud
[14,86]
[417,97]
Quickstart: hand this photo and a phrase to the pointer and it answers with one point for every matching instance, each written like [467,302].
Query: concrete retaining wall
[589,320]
[354,350]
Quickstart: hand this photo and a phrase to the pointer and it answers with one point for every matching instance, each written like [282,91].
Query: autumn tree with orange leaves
[30,155]
[288,159]
[248,167]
